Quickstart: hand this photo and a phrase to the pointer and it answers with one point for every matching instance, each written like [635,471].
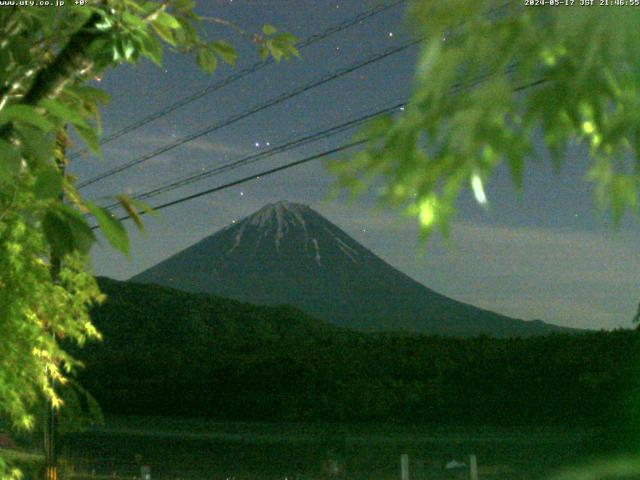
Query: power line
[293,143]
[287,165]
[249,178]
[235,118]
[256,157]
[346,24]
[252,159]
[276,100]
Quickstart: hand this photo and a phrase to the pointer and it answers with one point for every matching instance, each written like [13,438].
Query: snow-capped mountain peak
[284,216]
[293,229]
[287,253]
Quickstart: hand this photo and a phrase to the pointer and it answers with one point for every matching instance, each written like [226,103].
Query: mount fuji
[286,253]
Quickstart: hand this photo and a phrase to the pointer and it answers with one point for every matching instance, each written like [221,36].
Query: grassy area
[202,449]
[20,456]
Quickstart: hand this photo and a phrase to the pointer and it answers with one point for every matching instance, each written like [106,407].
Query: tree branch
[229,24]
[50,80]
[72,59]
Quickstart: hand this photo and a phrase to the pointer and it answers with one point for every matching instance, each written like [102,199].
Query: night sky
[544,254]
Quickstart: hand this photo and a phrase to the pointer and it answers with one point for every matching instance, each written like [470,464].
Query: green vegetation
[47,57]
[202,449]
[584,65]
[491,77]
[234,361]
[29,464]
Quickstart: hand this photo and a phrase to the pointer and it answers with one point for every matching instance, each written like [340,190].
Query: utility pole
[51,472]
[55,266]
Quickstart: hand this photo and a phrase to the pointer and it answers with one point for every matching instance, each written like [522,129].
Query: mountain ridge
[287,253]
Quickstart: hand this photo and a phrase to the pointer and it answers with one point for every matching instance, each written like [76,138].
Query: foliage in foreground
[47,57]
[494,76]
[568,73]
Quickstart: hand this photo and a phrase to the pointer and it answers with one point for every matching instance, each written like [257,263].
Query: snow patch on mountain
[277,220]
[237,240]
[286,216]
[317,247]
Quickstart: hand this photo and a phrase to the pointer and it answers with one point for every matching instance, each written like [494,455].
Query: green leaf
[623,194]
[167,20]
[25,114]
[133,20]
[286,42]
[10,160]
[286,38]
[225,51]
[90,137]
[129,50]
[516,168]
[275,52]
[48,183]
[151,48]
[184,6]
[66,231]
[207,61]
[294,51]
[269,29]
[37,144]
[20,50]
[264,52]
[63,112]
[143,207]
[90,94]
[5,61]
[105,23]
[186,36]
[129,207]
[164,32]
[111,227]
[376,128]
[146,8]
[477,188]
[101,51]
[117,53]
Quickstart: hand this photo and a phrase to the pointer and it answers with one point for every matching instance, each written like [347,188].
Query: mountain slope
[286,253]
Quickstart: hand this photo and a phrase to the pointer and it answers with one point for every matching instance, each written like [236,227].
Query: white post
[404,467]
[473,467]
